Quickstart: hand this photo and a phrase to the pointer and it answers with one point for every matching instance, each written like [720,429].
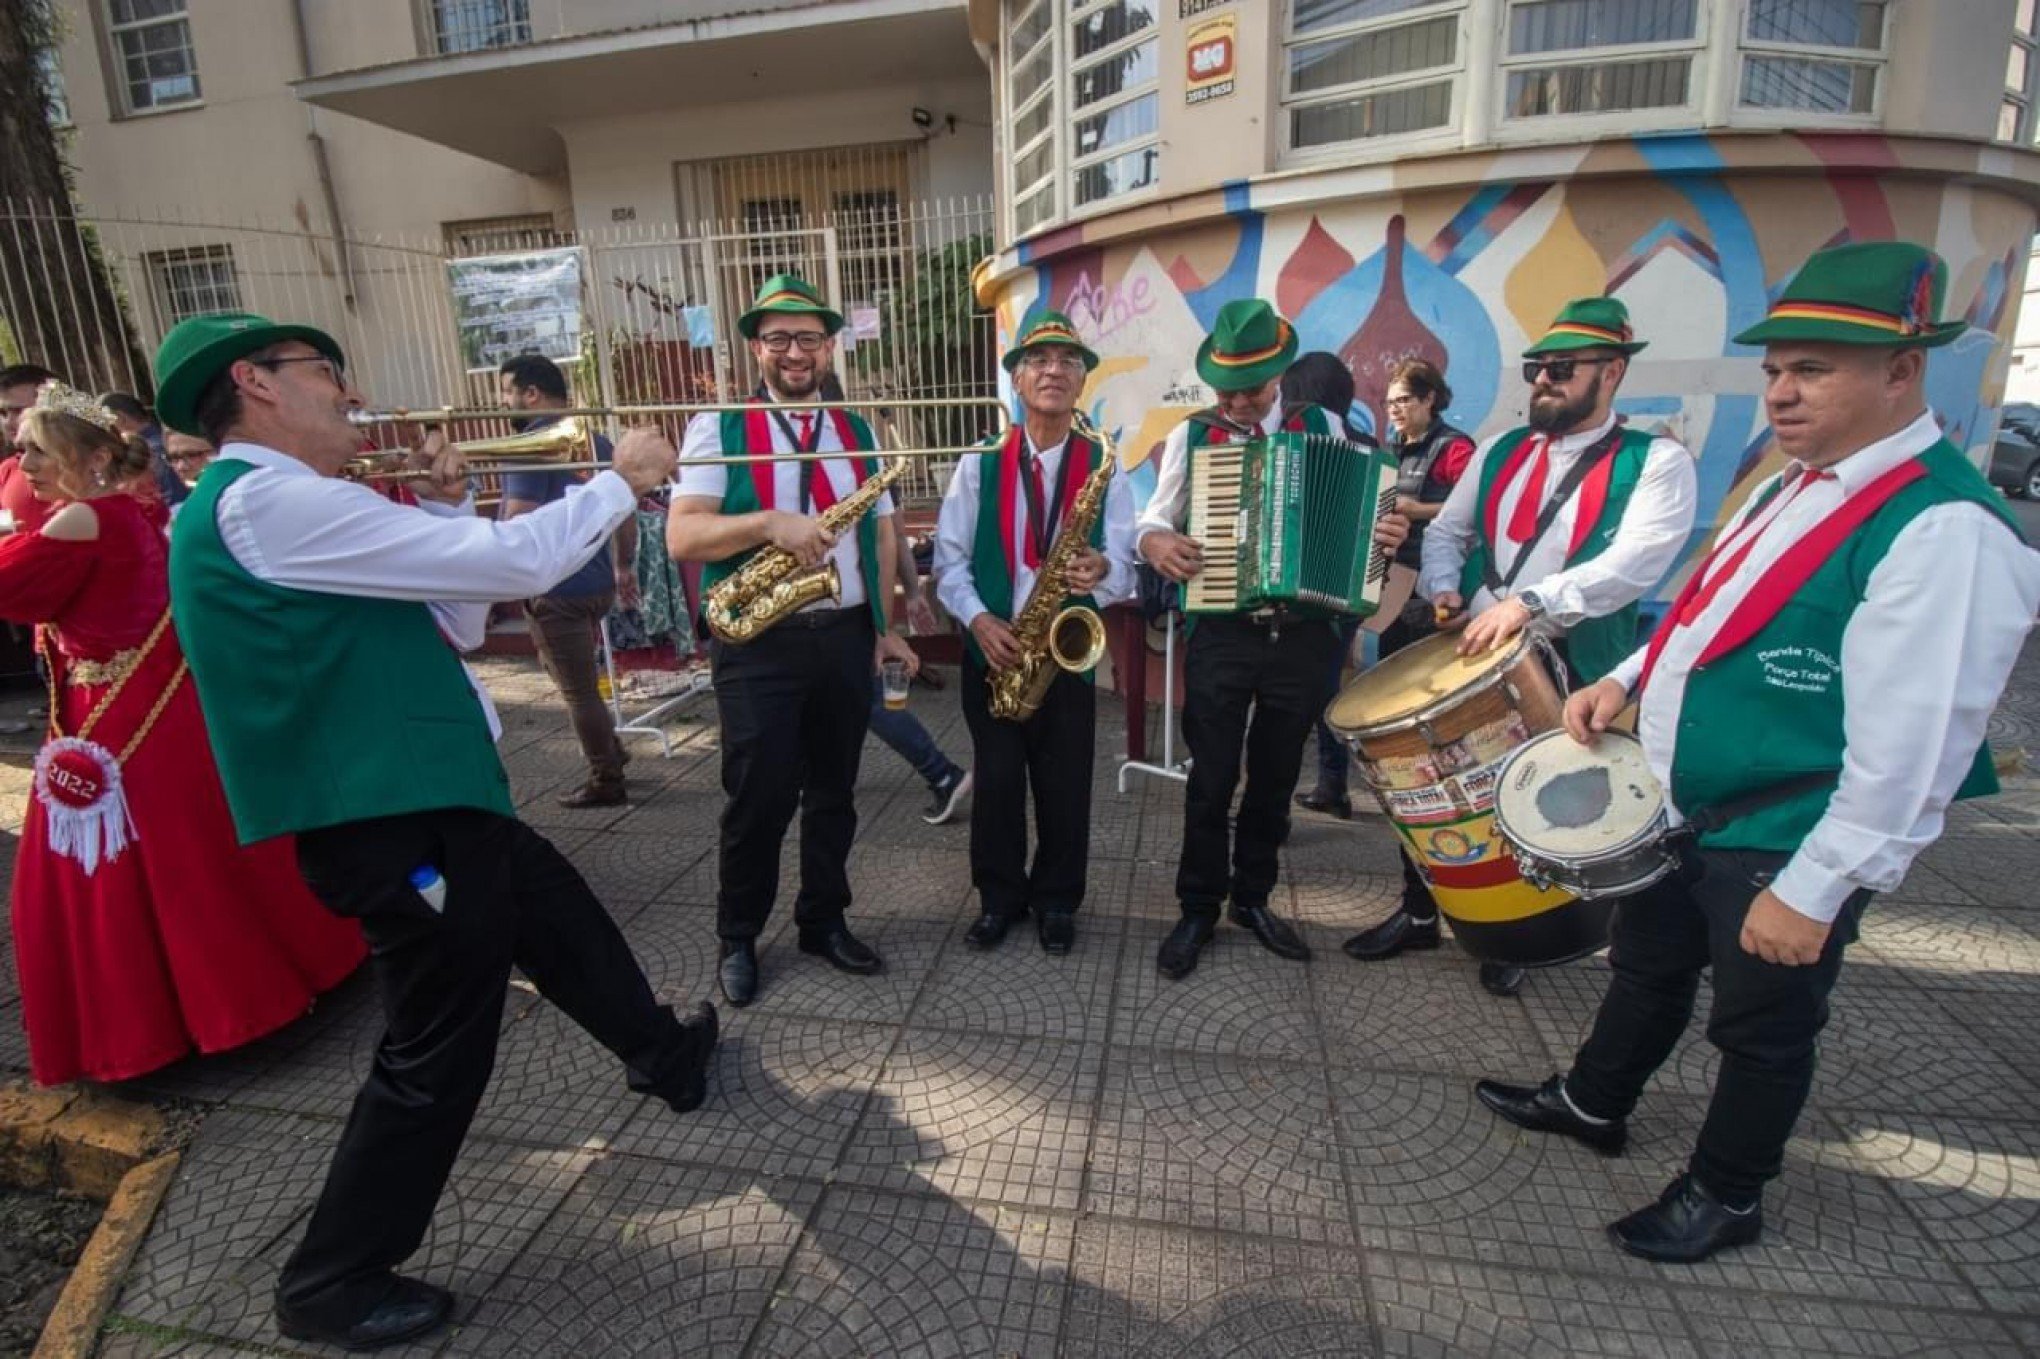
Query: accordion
[1289,519]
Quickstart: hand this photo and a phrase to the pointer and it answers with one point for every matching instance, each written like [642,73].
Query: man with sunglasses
[1257,679]
[323,625]
[1815,698]
[1561,526]
[795,701]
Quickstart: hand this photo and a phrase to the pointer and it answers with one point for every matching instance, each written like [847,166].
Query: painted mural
[1468,277]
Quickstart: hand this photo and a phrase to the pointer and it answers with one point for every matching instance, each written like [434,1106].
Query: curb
[73,1326]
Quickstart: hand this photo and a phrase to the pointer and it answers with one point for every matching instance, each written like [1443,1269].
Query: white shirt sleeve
[1120,582]
[702,439]
[1924,659]
[1168,507]
[1630,671]
[955,539]
[1449,539]
[338,537]
[1655,525]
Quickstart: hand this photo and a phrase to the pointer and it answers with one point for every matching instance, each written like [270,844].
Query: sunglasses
[1559,371]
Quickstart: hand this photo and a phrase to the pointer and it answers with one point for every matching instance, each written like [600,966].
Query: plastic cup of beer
[894,681]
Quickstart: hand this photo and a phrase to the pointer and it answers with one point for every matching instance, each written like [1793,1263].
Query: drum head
[1577,803]
[1416,678]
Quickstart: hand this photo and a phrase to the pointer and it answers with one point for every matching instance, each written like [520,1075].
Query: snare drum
[1588,819]
[1429,730]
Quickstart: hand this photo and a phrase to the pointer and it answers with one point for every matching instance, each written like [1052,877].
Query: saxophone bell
[1076,639]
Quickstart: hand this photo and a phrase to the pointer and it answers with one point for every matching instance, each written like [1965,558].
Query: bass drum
[1429,730]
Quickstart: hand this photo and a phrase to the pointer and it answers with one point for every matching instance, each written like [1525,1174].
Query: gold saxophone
[772,585]
[1053,637]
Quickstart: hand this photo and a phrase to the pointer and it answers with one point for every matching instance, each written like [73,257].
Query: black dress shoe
[1686,1225]
[1399,933]
[1178,958]
[1500,979]
[989,931]
[1057,931]
[1277,935]
[738,972]
[1326,802]
[596,794]
[688,1087]
[411,1308]
[1544,1108]
[842,951]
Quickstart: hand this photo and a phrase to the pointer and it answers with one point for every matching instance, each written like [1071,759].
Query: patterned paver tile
[647,1260]
[920,1275]
[1218,1142]
[1421,1012]
[1833,1227]
[152,1344]
[1441,1307]
[1973,1186]
[783,1097]
[1142,1291]
[635,867]
[1740,1325]
[1018,989]
[1434,1172]
[1242,999]
[995,1118]
[555,1085]
[1982,949]
[888,882]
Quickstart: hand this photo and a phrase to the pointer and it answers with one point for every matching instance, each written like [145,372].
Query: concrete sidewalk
[1012,1154]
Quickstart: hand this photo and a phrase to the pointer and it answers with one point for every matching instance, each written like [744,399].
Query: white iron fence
[658,304]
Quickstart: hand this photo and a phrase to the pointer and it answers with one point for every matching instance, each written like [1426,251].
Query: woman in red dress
[142,928]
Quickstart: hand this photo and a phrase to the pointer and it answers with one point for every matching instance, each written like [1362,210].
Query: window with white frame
[192,282]
[1814,56]
[1599,56]
[478,25]
[1357,70]
[1082,105]
[153,53]
[2016,119]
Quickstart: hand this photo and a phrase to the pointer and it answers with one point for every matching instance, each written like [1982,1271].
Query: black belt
[824,618]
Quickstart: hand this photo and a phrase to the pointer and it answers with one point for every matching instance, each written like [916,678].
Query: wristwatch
[1532,602]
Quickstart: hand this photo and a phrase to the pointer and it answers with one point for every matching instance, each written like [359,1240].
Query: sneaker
[946,797]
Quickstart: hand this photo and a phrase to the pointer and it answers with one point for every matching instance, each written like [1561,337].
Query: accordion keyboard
[1214,521]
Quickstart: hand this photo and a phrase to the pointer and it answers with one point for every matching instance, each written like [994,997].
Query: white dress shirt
[1924,659]
[956,538]
[1168,509]
[1654,527]
[704,440]
[287,525]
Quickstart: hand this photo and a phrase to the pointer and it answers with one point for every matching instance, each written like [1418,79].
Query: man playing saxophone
[794,695]
[1036,519]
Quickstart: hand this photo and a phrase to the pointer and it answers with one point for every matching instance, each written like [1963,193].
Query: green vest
[322,708]
[988,568]
[1206,428]
[1771,711]
[1595,645]
[740,496]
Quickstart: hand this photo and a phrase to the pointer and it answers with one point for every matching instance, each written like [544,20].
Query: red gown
[185,940]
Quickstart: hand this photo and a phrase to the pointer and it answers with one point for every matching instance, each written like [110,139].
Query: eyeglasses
[779,341]
[179,459]
[1396,403]
[1052,363]
[1559,371]
[333,370]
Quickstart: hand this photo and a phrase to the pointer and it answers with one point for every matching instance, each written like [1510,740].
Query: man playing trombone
[794,697]
[1001,517]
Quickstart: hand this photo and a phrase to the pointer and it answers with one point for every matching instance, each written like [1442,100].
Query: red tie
[1523,519]
[1038,505]
[807,425]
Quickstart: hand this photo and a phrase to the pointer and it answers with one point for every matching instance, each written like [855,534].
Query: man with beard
[1001,517]
[795,700]
[1562,527]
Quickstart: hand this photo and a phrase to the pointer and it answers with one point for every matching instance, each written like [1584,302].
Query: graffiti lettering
[1101,311]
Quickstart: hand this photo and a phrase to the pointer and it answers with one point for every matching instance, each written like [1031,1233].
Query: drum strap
[1567,487]
[1710,819]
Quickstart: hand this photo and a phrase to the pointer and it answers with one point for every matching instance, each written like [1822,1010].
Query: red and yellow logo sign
[1211,56]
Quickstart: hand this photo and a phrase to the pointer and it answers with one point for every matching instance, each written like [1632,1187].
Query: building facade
[1435,177]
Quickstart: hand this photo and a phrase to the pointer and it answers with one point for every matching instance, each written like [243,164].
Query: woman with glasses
[142,929]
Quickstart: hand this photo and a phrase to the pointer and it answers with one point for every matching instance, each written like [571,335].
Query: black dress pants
[1258,688]
[795,704]
[1050,753]
[511,899]
[1765,1017]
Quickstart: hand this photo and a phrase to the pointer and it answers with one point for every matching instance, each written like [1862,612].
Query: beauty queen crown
[55,396]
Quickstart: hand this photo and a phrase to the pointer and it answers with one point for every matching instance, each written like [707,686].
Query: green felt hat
[1875,293]
[787,295]
[1588,323]
[1051,327]
[1249,344]
[200,348]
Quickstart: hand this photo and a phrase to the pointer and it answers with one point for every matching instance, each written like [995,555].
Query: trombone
[567,444]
